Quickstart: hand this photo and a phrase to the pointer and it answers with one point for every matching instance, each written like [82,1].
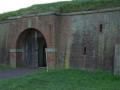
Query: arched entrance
[32,44]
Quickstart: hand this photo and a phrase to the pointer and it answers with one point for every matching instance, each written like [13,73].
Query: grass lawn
[64,6]
[4,67]
[63,80]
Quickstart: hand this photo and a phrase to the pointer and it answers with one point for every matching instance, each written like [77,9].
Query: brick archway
[17,53]
[27,48]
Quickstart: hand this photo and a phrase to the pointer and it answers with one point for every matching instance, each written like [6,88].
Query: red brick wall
[18,31]
[70,34]
[79,31]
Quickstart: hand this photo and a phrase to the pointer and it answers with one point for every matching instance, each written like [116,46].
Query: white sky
[12,5]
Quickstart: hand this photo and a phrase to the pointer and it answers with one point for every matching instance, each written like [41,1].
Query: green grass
[64,80]
[66,6]
[4,67]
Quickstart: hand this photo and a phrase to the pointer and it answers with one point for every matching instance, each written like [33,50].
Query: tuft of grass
[65,6]
[4,67]
[64,80]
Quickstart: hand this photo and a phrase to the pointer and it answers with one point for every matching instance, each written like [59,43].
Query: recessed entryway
[34,45]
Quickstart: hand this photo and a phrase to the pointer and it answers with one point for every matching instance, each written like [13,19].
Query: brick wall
[4,43]
[82,43]
[84,40]
[19,29]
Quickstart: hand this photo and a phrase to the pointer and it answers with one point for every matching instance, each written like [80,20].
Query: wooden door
[30,50]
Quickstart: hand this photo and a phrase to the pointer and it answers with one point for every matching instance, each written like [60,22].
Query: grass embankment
[64,80]
[4,67]
[66,6]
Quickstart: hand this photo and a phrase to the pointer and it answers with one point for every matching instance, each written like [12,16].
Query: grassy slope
[66,6]
[4,67]
[64,80]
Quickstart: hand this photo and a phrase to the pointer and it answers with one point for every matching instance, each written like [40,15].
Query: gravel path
[16,72]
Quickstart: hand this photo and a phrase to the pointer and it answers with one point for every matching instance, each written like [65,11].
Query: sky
[12,5]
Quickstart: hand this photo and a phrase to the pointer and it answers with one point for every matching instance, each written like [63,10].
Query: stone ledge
[15,50]
[93,11]
[34,15]
[110,9]
[4,22]
[48,13]
[15,17]
[80,13]
[29,15]
[50,49]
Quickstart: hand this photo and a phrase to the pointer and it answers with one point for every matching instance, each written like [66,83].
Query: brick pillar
[13,56]
[50,58]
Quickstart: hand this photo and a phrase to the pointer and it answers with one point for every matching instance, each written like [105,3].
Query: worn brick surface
[70,35]
[20,27]
[79,31]
[4,43]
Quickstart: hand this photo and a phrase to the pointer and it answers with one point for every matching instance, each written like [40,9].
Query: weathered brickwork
[82,43]
[18,32]
[4,43]
[84,40]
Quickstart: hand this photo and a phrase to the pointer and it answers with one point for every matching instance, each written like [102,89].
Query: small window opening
[84,50]
[101,27]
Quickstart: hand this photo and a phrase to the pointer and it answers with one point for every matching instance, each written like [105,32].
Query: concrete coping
[6,21]
[63,14]
[110,9]
[51,49]
[15,17]
[33,15]
[48,13]
[93,11]
[29,15]
[15,50]
[80,13]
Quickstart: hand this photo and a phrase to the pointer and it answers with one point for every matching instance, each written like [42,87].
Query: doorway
[41,52]
[34,49]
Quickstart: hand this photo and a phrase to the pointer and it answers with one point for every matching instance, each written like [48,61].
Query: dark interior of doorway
[41,52]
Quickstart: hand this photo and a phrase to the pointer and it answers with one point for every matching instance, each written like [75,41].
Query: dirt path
[16,72]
